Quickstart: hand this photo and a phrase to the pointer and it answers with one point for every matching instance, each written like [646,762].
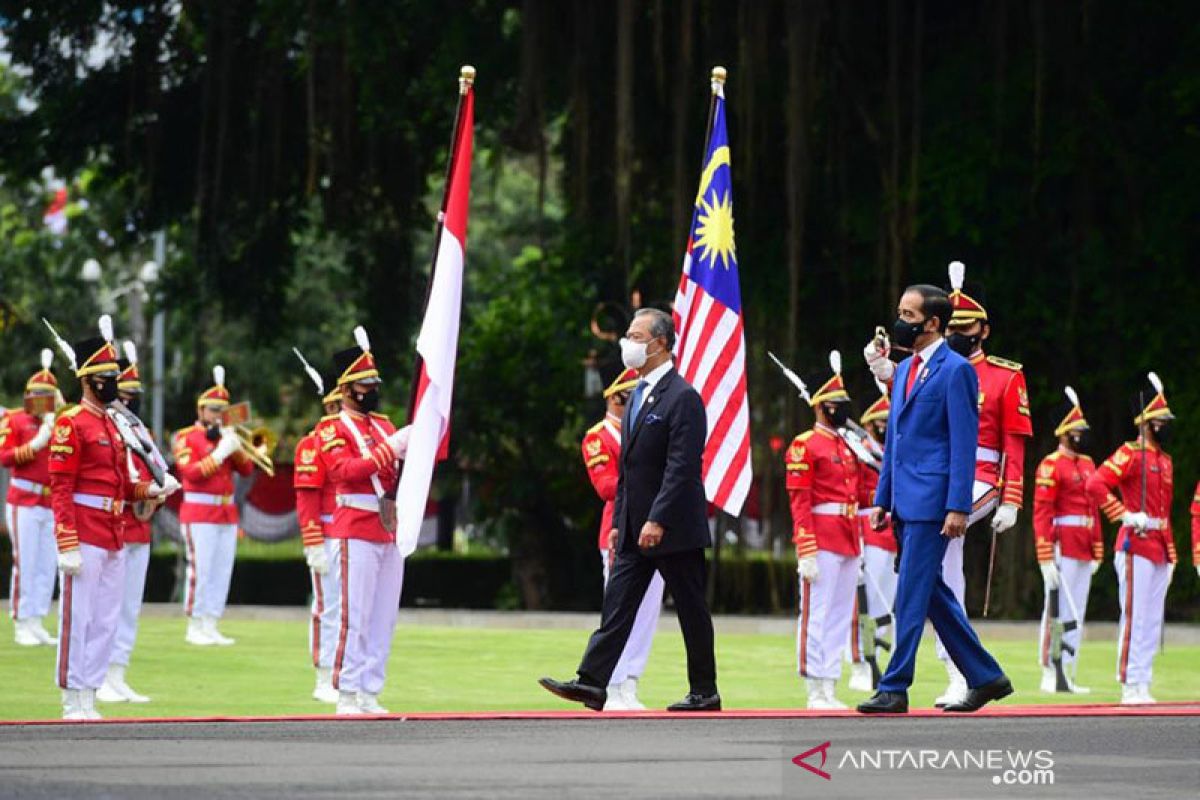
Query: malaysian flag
[710,348]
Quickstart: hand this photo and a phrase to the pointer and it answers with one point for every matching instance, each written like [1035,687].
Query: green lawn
[455,669]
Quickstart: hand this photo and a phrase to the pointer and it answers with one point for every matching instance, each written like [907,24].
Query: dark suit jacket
[929,455]
[660,477]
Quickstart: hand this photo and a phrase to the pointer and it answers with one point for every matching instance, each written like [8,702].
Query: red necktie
[912,375]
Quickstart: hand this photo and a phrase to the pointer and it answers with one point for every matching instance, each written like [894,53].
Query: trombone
[257,444]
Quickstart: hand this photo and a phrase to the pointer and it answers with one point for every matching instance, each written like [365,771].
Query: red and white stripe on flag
[437,343]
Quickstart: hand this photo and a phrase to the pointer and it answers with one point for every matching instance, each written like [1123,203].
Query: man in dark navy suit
[660,517]
[928,471]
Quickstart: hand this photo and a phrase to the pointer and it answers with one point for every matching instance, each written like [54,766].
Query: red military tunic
[315,498]
[602,456]
[1123,471]
[1063,511]
[29,483]
[1004,424]
[201,475]
[868,479]
[350,473]
[822,484]
[88,467]
[1196,526]
[137,531]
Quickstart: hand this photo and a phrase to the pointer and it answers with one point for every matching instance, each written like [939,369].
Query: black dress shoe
[697,702]
[885,703]
[981,696]
[591,696]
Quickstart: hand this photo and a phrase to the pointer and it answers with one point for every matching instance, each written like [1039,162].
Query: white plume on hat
[47,357]
[1070,393]
[958,271]
[835,362]
[1155,382]
[360,337]
[882,387]
[131,352]
[106,327]
[219,375]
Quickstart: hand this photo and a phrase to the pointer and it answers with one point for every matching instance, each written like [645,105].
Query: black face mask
[105,389]
[1080,440]
[879,432]
[1162,436]
[964,345]
[837,413]
[213,433]
[905,333]
[134,403]
[367,401]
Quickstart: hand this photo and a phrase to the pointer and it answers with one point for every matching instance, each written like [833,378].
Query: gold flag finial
[719,74]
[466,78]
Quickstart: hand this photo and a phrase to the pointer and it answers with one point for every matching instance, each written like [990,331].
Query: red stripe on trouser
[191,583]
[805,599]
[344,616]
[1127,634]
[15,535]
[64,636]
[855,645]
[318,610]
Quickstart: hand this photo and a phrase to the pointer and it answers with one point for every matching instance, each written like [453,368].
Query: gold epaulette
[596,428]
[1052,457]
[1004,362]
[182,432]
[377,415]
[328,418]
[803,437]
[69,411]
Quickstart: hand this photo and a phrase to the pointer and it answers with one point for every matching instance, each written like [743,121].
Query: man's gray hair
[661,324]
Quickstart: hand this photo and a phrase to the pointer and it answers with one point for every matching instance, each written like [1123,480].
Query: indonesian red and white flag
[437,344]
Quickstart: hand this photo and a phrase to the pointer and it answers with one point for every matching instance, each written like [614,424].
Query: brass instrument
[257,444]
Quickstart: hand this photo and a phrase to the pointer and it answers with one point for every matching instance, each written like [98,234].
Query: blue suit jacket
[929,453]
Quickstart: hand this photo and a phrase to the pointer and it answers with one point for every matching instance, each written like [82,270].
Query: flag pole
[466,80]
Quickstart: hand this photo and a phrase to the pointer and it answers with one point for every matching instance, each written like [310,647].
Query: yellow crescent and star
[714,224]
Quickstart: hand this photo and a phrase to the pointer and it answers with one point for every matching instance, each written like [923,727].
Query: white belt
[30,486]
[987,454]
[835,509]
[326,518]
[1156,524]
[98,502]
[360,502]
[864,512]
[1074,521]
[206,499]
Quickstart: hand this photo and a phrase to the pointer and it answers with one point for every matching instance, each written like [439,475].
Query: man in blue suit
[928,470]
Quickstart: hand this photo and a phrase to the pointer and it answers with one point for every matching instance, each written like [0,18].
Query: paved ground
[1142,758]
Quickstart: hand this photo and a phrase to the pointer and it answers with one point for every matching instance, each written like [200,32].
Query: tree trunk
[683,175]
[624,138]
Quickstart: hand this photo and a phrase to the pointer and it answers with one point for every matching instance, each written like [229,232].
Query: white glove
[1049,575]
[1096,566]
[42,437]
[70,562]
[398,442]
[807,569]
[1004,518]
[878,362]
[318,562]
[227,446]
[1138,520]
[171,488]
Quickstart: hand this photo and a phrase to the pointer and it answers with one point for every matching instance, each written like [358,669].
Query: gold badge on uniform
[308,455]
[592,446]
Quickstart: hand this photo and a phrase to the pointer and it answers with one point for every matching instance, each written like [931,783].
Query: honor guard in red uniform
[1144,554]
[1066,534]
[137,550]
[1004,426]
[876,591]
[315,504]
[1196,529]
[89,487]
[822,485]
[360,454]
[24,436]
[601,456]
[207,455]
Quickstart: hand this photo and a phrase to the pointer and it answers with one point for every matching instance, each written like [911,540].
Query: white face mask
[633,354]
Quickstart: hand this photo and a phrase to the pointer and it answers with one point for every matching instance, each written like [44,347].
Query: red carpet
[1182,709]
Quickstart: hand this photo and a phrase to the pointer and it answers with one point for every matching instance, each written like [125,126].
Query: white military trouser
[984,499]
[35,561]
[87,618]
[826,608]
[1142,592]
[371,576]
[637,647]
[326,610]
[211,548]
[1075,580]
[880,576]
[137,559]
